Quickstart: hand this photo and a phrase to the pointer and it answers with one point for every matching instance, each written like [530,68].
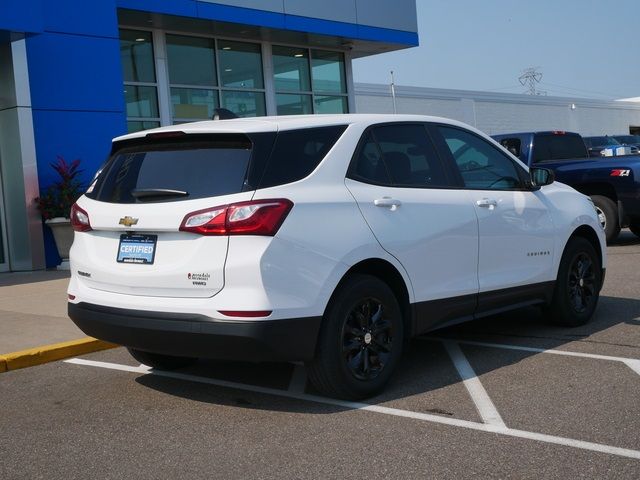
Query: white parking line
[479,395]
[632,363]
[595,447]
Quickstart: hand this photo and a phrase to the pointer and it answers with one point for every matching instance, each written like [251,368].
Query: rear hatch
[139,201]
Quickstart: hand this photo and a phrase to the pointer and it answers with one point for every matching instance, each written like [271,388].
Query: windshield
[601,141]
[628,139]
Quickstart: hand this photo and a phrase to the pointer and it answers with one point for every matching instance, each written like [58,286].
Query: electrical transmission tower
[529,78]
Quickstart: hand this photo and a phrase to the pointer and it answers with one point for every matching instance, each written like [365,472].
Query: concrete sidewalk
[34,326]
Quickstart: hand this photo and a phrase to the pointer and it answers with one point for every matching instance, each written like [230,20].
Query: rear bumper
[199,336]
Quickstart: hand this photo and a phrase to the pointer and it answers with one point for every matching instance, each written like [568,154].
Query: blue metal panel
[21,16]
[184,8]
[51,257]
[71,72]
[81,17]
[83,135]
[249,16]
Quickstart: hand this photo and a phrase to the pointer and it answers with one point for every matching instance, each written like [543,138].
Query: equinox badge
[128,221]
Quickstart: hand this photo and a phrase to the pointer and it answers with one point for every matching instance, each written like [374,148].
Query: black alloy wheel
[360,341]
[577,286]
[583,289]
[367,339]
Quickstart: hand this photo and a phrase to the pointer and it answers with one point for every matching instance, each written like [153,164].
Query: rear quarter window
[297,153]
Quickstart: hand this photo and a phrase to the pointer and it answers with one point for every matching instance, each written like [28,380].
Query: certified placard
[137,249]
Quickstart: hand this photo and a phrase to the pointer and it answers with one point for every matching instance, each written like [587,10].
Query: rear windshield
[190,167]
[171,173]
[558,147]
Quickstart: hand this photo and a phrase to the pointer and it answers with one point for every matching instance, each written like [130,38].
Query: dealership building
[76,73]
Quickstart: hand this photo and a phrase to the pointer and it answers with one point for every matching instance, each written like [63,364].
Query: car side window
[369,165]
[409,156]
[512,144]
[481,165]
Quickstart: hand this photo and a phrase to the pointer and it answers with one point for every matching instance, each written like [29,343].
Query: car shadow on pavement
[625,239]
[426,379]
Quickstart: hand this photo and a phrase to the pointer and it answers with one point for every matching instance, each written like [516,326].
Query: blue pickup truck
[613,183]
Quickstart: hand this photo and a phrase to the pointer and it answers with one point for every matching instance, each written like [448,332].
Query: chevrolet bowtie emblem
[128,221]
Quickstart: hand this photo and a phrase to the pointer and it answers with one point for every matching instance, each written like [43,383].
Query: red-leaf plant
[60,195]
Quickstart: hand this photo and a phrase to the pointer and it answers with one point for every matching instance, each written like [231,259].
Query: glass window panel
[136,55]
[193,102]
[327,70]
[141,101]
[481,165]
[291,69]
[370,166]
[329,104]
[297,153]
[191,60]
[410,158]
[244,104]
[136,125]
[291,104]
[240,64]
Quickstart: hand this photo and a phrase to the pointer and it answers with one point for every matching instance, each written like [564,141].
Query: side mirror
[541,176]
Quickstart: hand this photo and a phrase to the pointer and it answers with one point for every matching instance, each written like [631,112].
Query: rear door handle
[487,203]
[387,202]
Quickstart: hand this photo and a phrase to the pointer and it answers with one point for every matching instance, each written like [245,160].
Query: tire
[353,361]
[578,285]
[159,361]
[635,229]
[608,215]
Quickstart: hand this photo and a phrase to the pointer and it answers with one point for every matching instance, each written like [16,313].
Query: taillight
[258,217]
[80,219]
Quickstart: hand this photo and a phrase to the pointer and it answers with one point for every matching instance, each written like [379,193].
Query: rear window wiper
[148,193]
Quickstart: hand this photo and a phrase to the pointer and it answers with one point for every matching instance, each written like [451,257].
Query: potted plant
[55,205]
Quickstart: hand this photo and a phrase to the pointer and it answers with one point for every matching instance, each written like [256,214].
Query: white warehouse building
[496,113]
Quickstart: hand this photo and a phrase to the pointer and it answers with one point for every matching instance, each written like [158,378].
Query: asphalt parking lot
[506,397]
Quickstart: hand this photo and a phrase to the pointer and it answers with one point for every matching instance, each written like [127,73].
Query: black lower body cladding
[199,336]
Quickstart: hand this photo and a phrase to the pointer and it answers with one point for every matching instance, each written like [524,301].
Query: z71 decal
[620,173]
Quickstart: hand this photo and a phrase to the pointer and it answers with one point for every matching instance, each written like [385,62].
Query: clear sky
[586,48]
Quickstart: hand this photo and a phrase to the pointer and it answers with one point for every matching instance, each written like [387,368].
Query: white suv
[326,239]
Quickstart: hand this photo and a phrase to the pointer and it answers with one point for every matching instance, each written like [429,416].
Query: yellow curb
[51,353]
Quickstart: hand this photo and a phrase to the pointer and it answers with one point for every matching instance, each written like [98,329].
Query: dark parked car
[596,145]
[631,140]
[613,183]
